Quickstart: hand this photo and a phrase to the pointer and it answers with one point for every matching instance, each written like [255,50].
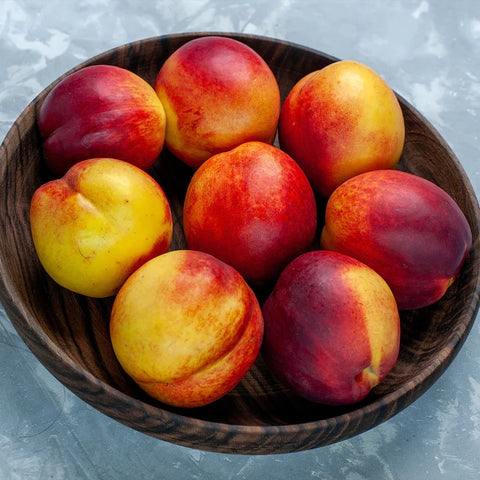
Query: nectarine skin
[340,121]
[186,327]
[332,328]
[253,208]
[217,93]
[101,111]
[403,226]
[98,223]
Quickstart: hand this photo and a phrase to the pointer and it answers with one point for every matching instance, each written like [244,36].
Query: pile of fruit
[187,325]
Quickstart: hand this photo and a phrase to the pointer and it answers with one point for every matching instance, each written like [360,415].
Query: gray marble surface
[429,52]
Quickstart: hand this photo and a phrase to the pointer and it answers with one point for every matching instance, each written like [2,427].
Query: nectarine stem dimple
[368,374]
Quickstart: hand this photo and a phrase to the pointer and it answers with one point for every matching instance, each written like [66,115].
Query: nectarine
[332,328]
[186,327]
[217,93]
[98,223]
[253,208]
[340,121]
[101,111]
[403,226]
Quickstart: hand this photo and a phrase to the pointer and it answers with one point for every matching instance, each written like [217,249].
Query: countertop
[429,52]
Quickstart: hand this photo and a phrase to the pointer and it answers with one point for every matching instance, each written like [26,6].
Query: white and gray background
[429,52]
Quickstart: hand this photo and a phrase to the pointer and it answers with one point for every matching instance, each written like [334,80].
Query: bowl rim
[50,354]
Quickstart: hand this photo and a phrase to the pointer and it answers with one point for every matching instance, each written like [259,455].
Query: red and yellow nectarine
[332,328]
[253,208]
[186,327]
[101,111]
[403,226]
[340,121]
[99,222]
[217,93]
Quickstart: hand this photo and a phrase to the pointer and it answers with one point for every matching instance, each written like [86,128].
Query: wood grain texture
[69,333]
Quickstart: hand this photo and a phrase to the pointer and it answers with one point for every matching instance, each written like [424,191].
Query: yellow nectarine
[99,222]
[186,327]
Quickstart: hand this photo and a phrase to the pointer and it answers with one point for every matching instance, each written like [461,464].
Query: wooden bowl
[69,333]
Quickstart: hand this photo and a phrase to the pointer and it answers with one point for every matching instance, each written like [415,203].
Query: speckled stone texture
[429,52]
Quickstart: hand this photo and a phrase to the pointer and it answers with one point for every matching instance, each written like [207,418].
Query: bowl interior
[69,333]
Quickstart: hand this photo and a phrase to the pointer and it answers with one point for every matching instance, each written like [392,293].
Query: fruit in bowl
[101,111]
[332,328]
[261,416]
[253,208]
[217,93]
[340,121]
[98,223]
[403,226]
[186,327]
